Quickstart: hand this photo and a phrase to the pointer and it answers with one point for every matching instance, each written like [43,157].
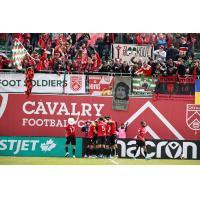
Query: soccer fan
[71,136]
[44,41]
[160,54]
[145,70]
[28,80]
[140,140]
[113,137]
[28,63]
[4,61]
[101,137]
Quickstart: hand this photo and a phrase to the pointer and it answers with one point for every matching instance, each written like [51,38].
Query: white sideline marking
[114,162]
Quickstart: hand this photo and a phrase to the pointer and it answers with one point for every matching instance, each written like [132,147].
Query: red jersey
[108,129]
[141,134]
[101,129]
[113,128]
[91,131]
[70,129]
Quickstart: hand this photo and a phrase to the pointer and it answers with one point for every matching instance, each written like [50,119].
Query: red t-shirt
[91,131]
[101,129]
[3,62]
[108,129]
[113,128]
[141,134]
[70,129]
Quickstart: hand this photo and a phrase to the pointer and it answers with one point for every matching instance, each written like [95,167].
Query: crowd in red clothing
[173,53]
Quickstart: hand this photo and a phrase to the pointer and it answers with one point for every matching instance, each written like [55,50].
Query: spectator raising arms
[44,41]
[144,70]
[142,38]
[122,131]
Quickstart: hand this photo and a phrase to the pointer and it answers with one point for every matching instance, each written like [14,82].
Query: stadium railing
[87,74]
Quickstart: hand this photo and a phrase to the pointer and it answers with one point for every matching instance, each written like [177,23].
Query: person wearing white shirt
[160,54]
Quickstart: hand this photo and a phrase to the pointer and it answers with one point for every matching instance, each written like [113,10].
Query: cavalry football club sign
[193,117]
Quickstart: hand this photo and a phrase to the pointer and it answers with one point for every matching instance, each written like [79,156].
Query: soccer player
[71,136]
[113,137]
[95,139]
[101,137]
[90,129]
[140,140]
[85,130]
[107,152]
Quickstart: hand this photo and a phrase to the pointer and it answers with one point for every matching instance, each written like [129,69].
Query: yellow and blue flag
[197,92]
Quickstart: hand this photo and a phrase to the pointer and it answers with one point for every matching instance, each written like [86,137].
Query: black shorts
[108,140]
[101,140]
[71,139]
[95,139]
[113,139]
[140,143]
[90,141]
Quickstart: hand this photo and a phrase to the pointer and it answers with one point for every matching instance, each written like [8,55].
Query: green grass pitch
[7,160]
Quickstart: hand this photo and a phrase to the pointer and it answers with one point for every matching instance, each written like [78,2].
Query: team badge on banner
[193,117]
[76,84]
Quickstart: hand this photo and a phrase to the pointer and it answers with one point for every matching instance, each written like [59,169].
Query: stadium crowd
[173,53]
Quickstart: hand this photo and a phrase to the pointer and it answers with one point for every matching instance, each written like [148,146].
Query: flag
[197,92]
[18,53]
[122,86]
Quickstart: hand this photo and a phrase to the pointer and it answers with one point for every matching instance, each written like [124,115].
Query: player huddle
[101,137]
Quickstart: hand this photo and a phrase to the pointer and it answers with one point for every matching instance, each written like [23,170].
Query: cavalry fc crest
[76,83]
[193,116]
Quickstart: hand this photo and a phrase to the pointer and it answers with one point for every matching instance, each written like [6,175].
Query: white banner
[12,83]
[43,83]
[75,84]
[48,83]
[131,52]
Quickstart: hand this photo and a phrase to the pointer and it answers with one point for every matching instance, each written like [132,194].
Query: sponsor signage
[161,149]
[47,115]
[37,146]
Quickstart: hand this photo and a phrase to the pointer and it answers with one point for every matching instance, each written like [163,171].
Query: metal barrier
[137,90]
